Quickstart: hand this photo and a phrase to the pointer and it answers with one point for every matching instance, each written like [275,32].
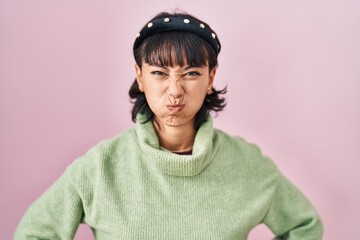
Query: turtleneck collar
[204,148]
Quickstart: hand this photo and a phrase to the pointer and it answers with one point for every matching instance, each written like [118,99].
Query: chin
[173,121]
[177,121]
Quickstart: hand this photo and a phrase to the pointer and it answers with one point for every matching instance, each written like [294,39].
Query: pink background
[292,70]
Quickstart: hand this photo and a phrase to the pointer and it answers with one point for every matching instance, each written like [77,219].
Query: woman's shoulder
[245,152]
[105,153]
[111,145]
[237,142]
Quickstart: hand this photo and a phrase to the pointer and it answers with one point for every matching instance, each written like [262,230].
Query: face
[175,94]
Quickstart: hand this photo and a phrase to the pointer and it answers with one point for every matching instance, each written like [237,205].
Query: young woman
[173,176]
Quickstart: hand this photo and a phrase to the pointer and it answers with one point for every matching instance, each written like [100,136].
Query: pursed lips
[175,107]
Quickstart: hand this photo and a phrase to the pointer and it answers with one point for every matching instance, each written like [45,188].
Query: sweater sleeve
[291,216]
[55,215]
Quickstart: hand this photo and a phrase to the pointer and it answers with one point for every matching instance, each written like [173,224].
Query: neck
[176,139]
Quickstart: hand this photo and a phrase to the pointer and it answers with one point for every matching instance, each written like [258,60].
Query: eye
[158,73]
[193,74]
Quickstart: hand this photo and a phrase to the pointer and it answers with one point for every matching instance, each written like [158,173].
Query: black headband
[178,23]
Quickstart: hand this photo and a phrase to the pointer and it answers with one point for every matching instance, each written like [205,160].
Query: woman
[173,176]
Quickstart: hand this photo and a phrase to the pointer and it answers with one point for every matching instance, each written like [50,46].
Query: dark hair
[176,48]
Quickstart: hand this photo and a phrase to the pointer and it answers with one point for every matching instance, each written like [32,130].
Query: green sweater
[129,188]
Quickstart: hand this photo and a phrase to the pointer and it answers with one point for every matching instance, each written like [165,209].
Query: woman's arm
[291,216]
[55,215]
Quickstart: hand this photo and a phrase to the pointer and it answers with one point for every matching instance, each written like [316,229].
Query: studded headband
[178,23]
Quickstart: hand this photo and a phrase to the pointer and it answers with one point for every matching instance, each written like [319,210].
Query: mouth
[175,107]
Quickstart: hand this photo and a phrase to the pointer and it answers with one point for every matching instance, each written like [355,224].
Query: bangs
[173,48]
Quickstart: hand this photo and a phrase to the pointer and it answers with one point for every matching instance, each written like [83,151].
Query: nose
[175,90]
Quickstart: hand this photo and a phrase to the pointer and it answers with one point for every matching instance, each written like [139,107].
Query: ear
[211,78]
[139,78]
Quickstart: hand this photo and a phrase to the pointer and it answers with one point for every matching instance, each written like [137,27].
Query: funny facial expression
[175,94]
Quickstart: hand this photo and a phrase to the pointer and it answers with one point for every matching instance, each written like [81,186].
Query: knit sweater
[128,187]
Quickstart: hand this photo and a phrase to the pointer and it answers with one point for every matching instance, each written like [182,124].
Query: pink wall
[292,70]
